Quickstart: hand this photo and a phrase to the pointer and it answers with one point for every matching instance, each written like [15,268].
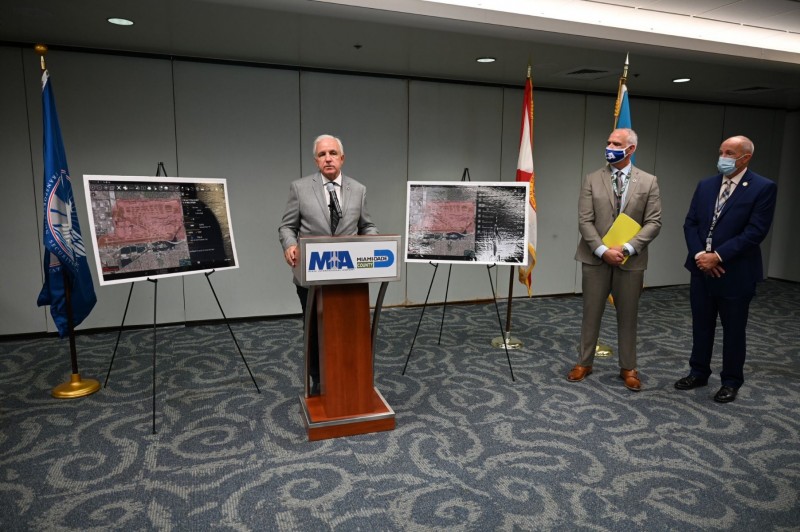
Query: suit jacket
[307,212]
[742,225]
[596,214]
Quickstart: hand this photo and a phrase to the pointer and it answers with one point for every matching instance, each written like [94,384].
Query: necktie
[619,189]
[723,197]
[726,192]
[332,207]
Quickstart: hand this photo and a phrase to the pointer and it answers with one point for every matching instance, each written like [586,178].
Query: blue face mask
[615,156]
[727,165]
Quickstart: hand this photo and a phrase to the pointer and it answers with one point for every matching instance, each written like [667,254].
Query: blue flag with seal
[624,119]
[64,254]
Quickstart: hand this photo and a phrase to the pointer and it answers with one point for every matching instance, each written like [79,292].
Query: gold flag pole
[603,350]
[622,80]
[76,387]
[507,341]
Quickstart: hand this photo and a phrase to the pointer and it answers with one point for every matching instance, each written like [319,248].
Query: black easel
[161,171]
[227,323]
[464,177]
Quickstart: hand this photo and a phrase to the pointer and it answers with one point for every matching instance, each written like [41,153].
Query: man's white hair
[326,136]
[633,138]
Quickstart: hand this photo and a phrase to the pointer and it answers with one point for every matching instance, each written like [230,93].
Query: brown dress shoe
[579,373]
[631,379]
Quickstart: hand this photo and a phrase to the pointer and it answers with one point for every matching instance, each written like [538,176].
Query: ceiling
[743,52]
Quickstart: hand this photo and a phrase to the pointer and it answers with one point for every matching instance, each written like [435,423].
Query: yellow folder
[622,231]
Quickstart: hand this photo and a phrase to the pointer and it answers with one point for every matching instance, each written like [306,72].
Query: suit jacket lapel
[607,173]
[319,192]
[738,191]
[633,183]
[710,204]
[345,194]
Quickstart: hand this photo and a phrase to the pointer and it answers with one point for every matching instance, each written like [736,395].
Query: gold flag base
[506,342]
[603,351]
[75,387]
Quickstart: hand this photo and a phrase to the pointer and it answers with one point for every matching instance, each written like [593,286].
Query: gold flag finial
[625,69]
[41,49]
[622,80]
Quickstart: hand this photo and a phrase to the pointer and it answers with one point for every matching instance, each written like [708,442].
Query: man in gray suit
[618,187]
[324,203]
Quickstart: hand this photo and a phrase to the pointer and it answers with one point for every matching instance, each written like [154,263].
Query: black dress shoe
[726,394]
[690,382]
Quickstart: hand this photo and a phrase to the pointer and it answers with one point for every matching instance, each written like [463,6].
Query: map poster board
[468,221]
[151,227]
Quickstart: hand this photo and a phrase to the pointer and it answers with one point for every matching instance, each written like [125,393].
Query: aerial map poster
[468,221]
[151,227]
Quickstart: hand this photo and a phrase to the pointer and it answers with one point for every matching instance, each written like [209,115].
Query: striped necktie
[332,201]
[723,197]
[726,192]
[617,183]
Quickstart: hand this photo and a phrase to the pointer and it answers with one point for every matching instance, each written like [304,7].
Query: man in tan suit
[617,187]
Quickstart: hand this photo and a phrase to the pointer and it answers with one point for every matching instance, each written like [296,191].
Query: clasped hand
[709,264]
[614,256]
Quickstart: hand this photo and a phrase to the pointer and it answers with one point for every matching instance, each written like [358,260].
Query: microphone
[331,188]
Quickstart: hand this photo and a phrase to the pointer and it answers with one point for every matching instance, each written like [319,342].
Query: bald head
[740,149]
[744,143]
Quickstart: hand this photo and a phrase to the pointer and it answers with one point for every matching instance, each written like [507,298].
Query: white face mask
[727,165]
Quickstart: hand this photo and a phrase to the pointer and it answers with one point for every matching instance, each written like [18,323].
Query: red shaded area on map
[449,217]
[145,221]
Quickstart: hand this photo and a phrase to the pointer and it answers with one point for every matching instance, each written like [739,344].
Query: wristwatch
[625,252]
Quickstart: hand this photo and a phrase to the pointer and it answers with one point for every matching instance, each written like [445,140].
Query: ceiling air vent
[586,73]
[753,89]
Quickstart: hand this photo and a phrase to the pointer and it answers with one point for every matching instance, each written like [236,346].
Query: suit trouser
[313,348]
[625,286]
[733,312]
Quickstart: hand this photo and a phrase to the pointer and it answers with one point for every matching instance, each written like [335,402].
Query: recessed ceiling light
[681,80]
[486,60]
[120,21]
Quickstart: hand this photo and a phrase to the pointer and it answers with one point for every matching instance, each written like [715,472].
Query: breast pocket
[635,202]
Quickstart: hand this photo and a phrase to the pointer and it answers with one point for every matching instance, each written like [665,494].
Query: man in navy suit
[729,217]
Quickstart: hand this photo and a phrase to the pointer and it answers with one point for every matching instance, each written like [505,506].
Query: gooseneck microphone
[331,188]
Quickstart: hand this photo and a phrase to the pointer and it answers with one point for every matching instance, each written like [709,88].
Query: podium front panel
[354,259]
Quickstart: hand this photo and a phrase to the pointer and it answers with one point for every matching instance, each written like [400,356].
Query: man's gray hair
[633,138]
[326,136]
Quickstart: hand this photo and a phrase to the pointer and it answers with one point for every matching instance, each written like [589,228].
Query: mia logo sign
[357,259]
[342,260]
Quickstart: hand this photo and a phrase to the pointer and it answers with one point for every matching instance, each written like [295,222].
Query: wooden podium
[337,271]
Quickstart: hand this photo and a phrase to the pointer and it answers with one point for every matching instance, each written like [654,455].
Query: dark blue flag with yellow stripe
[64,249]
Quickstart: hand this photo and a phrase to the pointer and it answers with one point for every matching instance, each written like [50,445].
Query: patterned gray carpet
[472,450]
